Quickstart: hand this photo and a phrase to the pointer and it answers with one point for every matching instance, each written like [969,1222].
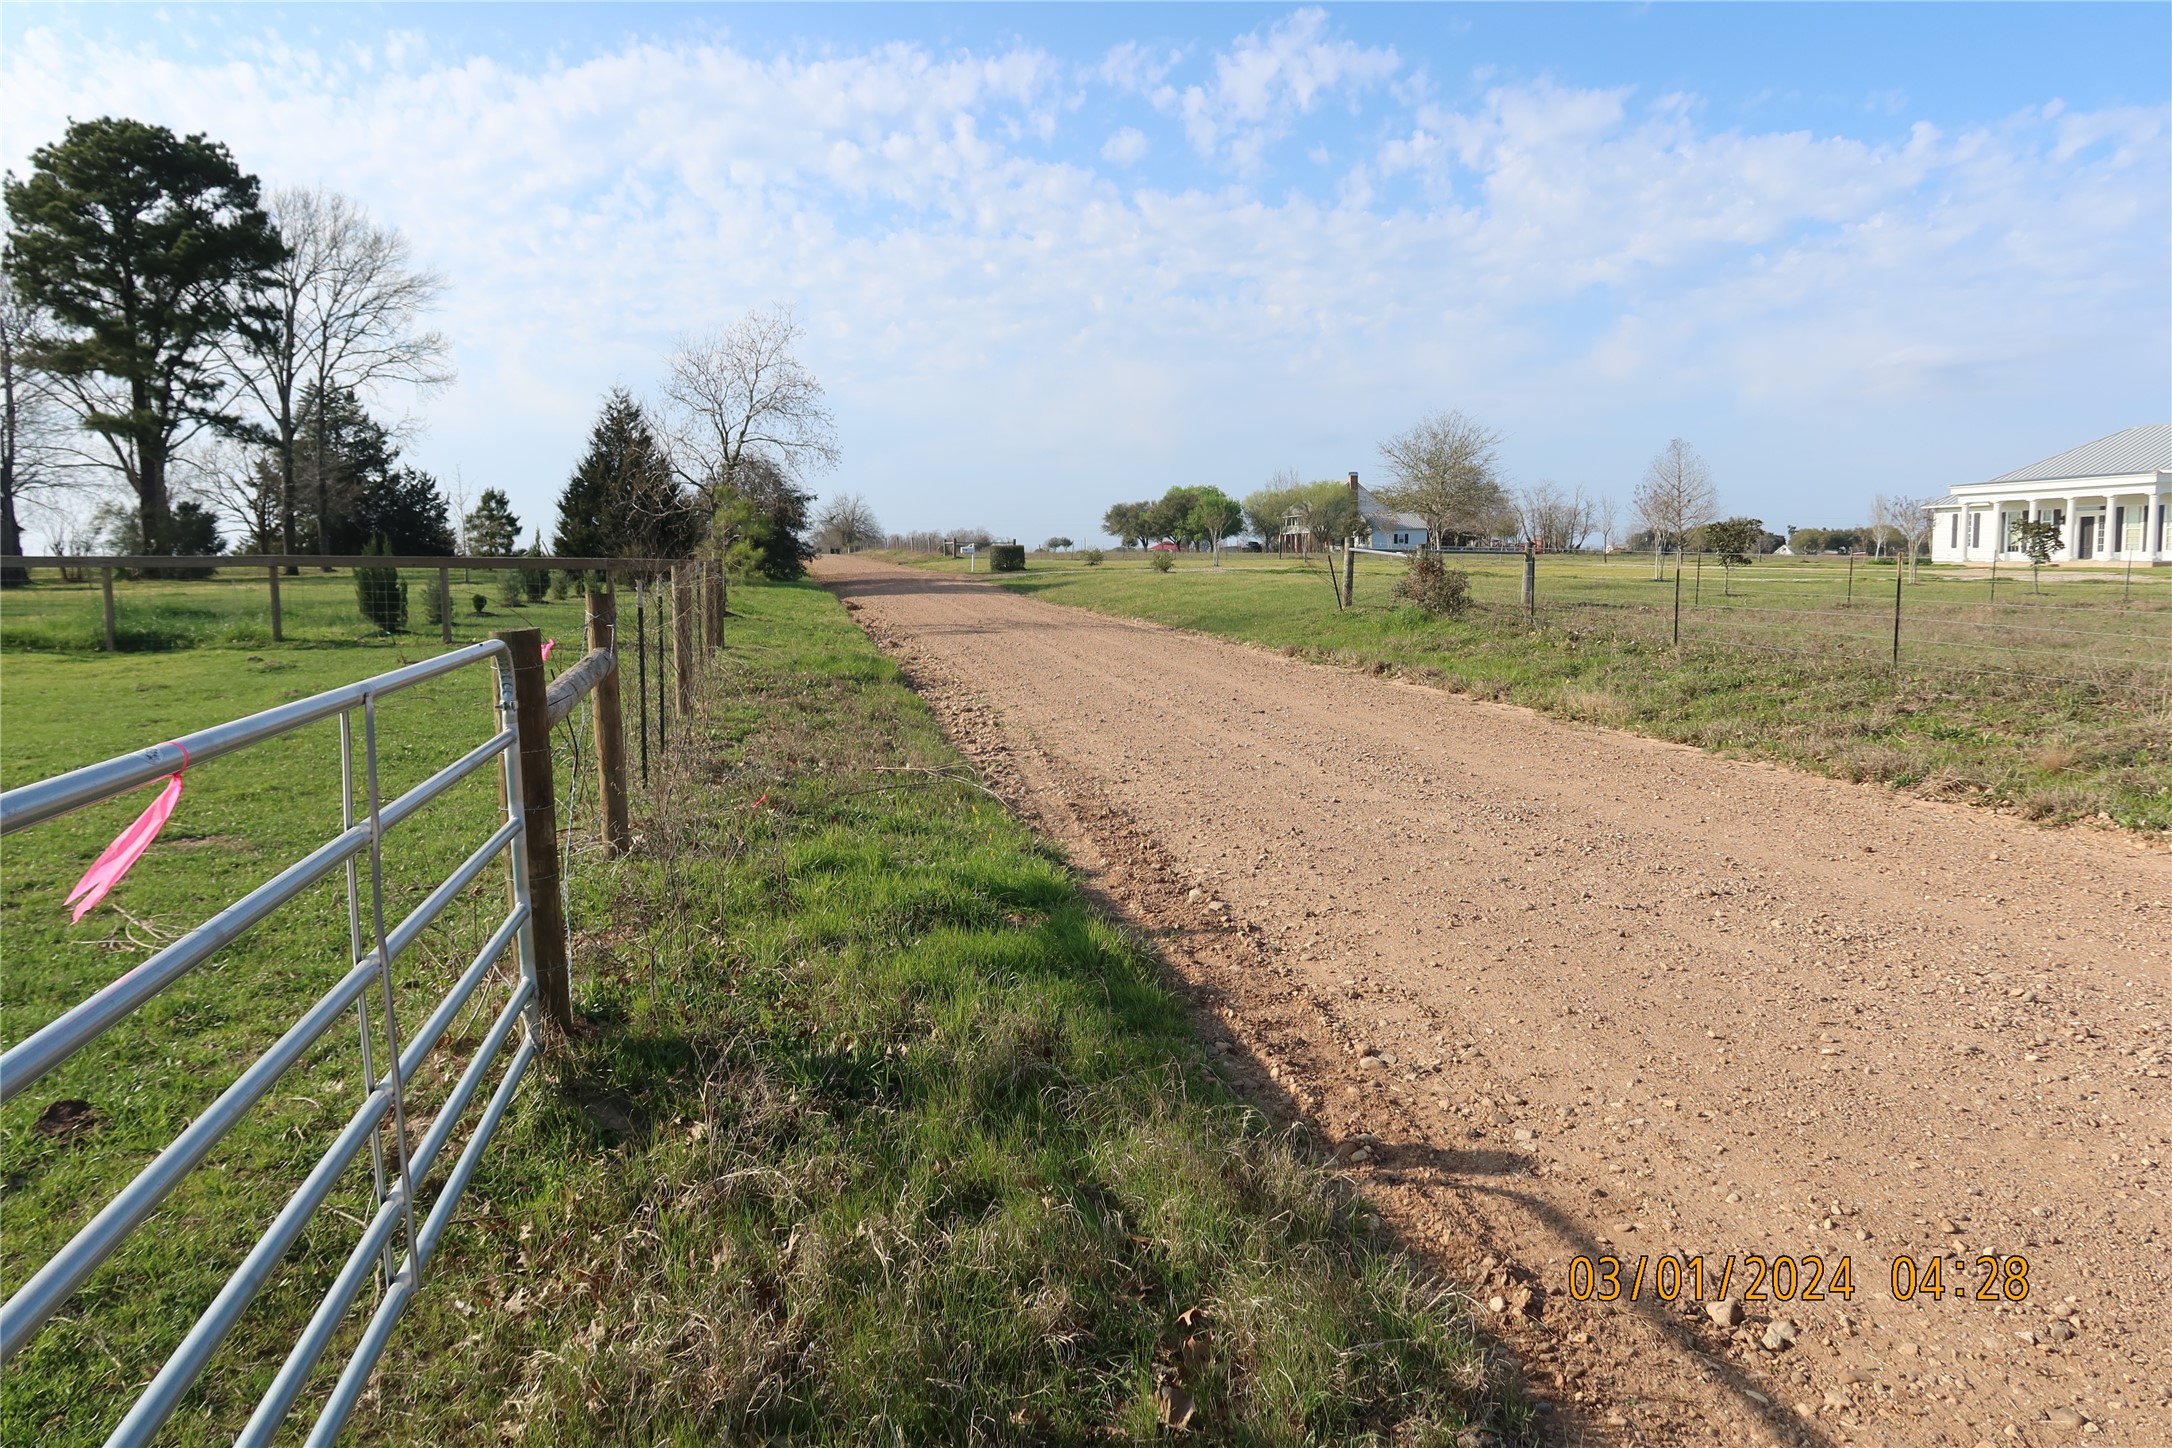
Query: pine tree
[622,500]
[493,530]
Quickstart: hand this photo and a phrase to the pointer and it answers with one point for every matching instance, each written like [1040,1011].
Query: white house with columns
[2107,499]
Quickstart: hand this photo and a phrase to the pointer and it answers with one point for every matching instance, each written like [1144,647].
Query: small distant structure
[2107,499]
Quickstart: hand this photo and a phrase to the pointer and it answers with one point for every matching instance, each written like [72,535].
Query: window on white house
[1975,529]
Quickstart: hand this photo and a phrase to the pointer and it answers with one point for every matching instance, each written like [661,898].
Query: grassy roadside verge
[882,1135]
[877,1133]
[2052,751]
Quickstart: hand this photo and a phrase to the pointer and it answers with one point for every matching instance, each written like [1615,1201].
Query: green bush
[561,581]
[380,592]
[1093,557]
[1162,562]
[1006,558]
[510,592]
[433,604]
[1426,585]
[481,602]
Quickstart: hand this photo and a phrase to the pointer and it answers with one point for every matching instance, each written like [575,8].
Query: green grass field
[875,1131]
[233,610]
[2054,704]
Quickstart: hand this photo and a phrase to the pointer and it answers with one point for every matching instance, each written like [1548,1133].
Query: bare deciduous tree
[33,457]
[1905,521]
[847,522]
[240,484]
[1675,496]
[346,304]
[1445,471]
[1557,519]
[741,396]
[1606,518]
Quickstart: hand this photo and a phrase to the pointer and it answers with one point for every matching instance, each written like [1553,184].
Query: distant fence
[273,565]
[527,708]
[2110,630]
[2100,629]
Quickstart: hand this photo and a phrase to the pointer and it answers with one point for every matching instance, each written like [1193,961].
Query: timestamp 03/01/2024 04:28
[1987,1277]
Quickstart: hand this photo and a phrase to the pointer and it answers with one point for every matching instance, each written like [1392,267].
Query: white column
[2073,528]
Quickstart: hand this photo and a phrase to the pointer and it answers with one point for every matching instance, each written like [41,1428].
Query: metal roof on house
[2137,450]
[1380,515]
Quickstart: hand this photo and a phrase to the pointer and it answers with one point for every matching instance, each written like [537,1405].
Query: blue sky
[1053,257]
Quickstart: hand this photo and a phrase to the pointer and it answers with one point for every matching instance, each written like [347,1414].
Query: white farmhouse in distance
[2107,499]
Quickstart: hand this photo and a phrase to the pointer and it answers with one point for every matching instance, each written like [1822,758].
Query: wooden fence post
[610,723]
[105,584]
[682,633]
[716,605]
[279,628]
[538,797]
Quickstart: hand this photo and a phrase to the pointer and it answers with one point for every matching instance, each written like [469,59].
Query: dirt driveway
[1553,992]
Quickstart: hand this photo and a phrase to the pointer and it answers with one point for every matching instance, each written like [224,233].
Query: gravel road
[1549,991]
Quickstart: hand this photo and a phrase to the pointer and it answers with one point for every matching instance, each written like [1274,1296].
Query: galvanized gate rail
[366,989]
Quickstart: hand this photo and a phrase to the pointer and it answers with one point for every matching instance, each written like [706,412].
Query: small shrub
[481,602]
[1426,585]
[381,593]
[534,583]
[433,604]
[1007,558]
[1093,557]
[561,582]
[1162,562]
[509,589]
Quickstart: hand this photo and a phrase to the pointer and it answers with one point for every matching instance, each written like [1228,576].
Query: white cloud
[1264,82]
[1125,147]
[1005,322]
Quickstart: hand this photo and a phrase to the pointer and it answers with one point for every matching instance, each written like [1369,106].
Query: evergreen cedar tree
[148,248]
[760,521]
[368,492]
[493,530]
[622,500]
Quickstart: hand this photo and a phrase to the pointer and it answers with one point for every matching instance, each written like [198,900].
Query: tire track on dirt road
[1551,990]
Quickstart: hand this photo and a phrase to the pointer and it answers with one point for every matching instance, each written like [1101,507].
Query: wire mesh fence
[2109,631]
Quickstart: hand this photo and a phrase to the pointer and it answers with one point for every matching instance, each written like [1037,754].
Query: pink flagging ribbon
[127,847]
[548,645]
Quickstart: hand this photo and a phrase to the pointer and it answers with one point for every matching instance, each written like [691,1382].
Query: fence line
[1898,628]
[526,840]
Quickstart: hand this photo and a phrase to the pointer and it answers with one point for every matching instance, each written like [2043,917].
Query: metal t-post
[279,631]
[641,670]
[1677,603]
[1898,579]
